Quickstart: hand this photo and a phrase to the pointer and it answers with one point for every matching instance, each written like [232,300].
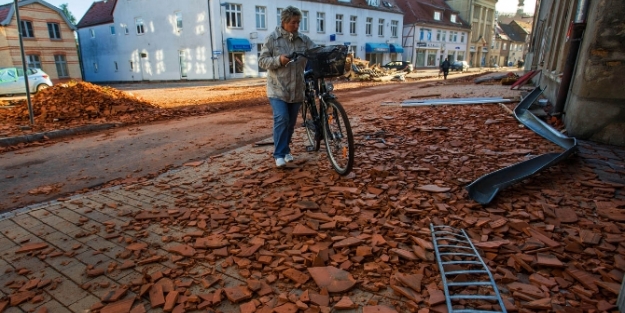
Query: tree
[68,14]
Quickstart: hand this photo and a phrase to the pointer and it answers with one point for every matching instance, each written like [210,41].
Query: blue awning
[377,48]
[238,45]
[395,48]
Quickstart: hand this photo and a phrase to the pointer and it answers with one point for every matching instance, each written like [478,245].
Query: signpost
[24,67]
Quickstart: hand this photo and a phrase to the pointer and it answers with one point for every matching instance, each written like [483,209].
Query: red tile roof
[4,11]
[100,12]
[422,12]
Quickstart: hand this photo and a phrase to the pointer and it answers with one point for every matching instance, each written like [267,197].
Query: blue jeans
[284,120]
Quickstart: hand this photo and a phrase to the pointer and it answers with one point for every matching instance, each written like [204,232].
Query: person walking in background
[285,81]
[445,67]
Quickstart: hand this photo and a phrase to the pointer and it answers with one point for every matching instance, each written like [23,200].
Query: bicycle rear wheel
[338,137]
[309,115]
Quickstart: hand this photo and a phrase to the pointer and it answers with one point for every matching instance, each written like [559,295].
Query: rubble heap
[79,101]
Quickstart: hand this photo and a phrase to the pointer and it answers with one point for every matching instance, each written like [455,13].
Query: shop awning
[396,48]
[238,45]
[377,48]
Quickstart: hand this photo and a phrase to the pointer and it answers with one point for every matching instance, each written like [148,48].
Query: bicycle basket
[328,61]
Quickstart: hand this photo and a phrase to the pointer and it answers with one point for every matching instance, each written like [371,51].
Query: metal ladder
[455,250]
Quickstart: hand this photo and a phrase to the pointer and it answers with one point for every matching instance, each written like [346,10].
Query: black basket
[328,61]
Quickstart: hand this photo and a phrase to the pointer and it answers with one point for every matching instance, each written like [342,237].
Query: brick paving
[92,231]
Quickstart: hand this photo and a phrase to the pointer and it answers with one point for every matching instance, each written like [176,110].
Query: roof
[499,32]
[422,12]
[511,32]
[4,11]
[7,11]
[100,12]
[385,5]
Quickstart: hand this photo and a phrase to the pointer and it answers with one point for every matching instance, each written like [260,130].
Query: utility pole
[24,67]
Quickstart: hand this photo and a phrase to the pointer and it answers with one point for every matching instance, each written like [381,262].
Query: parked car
[399,66]
[459,66]
[12,80]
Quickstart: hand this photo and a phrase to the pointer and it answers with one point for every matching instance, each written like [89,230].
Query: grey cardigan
[284,82]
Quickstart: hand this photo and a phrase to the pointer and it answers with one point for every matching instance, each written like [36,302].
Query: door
[182,57]
[236,64]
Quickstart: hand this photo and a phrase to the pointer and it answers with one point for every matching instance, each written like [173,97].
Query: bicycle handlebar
[294,56]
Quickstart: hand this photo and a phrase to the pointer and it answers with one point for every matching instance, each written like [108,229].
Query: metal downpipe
[576,33]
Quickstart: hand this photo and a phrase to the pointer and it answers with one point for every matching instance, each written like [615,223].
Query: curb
[11,141]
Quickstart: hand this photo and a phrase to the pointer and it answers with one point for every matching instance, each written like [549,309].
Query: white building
[432,32]
[160,40]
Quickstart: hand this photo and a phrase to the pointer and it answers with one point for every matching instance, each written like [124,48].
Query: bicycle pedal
[310,148]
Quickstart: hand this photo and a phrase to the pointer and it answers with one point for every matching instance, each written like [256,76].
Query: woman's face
[292,25]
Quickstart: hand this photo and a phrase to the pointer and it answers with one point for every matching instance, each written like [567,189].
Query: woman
[285,83]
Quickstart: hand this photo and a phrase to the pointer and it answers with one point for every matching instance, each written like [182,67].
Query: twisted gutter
[484,189]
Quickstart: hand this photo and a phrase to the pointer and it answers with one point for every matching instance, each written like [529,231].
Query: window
[368,26]
[279,18]
[505,45]
[352,24]
[394,26]
[381,27]
[497,45]
[426,35]
[54,31]
[512,46]
[179,21]
[437,16]
[116,67]
[321,17]
[33,61]
[339,23]
[454,37]
[132,66]
[139,24]
[438,35]
[125,28]
[453,18]
[112,30]
[92,33]
[61,65]
[27,29]
[303,25]
[444,38]
[95,67]
[233,15]
[259,48]
[461,37]
[261,18]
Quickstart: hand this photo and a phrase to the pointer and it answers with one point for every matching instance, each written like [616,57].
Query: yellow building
[48,37]
[481,15]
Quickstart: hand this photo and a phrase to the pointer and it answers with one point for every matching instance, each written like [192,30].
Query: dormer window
[437,16]
[374,3]
[453,18]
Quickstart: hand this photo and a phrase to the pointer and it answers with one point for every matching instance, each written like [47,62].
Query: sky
[79,7]
[510,6]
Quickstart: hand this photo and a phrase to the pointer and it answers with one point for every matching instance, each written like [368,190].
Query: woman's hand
[284,59]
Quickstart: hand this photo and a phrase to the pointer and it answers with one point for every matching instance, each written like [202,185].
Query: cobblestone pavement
[80,263]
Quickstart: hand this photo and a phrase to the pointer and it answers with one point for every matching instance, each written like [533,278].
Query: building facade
[432,32]
[578,46]
[481,16]
[142,41]
[48,38]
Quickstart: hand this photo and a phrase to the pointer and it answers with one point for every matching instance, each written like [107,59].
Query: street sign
[216,52]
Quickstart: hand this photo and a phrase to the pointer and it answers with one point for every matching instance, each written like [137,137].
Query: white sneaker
[280,162]
[288,157]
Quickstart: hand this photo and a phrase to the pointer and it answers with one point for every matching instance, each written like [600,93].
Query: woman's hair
[288,13]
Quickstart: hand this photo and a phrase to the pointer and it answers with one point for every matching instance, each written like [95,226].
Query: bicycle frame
[316,89]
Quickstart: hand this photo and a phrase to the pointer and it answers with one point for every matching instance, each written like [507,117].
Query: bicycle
[328,117]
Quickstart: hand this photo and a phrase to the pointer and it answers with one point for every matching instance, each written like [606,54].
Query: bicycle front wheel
[309,115]
[338,137]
